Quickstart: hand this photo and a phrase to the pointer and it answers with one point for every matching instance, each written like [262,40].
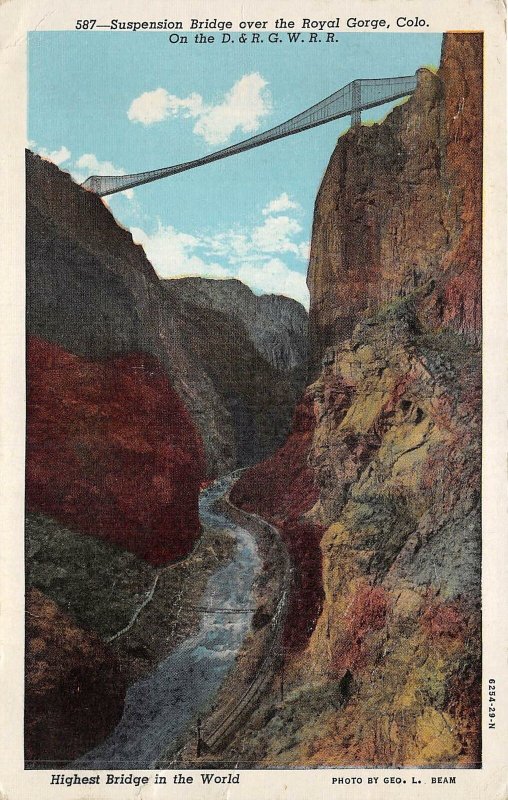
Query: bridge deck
[352,99]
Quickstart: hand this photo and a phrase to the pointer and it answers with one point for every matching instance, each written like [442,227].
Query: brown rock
[74,686]
[399,207]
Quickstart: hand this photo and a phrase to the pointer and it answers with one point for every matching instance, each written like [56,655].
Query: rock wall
[391,465]
[276,325]
[242,344]
[92,291]
[400,208]
[281,490]
[112,451]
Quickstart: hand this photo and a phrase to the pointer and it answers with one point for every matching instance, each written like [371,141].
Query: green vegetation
[97,584]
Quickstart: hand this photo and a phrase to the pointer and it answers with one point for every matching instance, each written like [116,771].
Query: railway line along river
[161,709]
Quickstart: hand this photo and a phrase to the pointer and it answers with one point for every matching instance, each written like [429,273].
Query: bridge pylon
[356,103]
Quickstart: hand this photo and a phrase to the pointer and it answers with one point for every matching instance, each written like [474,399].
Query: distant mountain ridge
[276,325]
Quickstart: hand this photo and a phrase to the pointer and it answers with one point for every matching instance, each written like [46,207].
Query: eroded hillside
[377,489]
[136,395]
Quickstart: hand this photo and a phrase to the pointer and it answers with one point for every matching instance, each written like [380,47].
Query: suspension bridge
[350,100]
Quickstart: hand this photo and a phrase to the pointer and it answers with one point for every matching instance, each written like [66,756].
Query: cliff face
[282,489]
[253,351]
[94,293]
[112,451]
[391,462]
[276,325]
[399,205]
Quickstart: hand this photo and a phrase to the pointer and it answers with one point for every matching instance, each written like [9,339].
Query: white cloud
[275,277]
[171,254]
[233,244]
[304,248]
[242,107]
[88,164]
[56,156]
[274,235]
[281,203]
[158,105]
[175,254]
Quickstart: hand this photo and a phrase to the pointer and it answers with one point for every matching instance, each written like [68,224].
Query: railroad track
[214,736]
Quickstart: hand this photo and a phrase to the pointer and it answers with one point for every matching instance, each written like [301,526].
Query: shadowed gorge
[253,534]
[137,390]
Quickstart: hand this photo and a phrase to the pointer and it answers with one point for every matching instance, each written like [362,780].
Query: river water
[161,709]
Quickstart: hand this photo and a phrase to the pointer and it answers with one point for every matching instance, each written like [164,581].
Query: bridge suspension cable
[352,99]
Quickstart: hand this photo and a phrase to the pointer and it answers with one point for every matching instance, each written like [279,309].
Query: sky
[123,102]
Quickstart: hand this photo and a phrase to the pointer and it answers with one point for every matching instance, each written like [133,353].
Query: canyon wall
[252,350]
[135,394]
[112,451]
[399,209]
[276,325]
[385,454]
[92,291]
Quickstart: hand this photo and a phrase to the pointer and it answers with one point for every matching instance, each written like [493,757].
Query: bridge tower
[356,101]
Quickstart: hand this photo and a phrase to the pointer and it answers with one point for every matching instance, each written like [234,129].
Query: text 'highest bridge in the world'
[352,99]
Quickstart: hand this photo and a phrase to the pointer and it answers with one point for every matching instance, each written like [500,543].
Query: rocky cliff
[92,291]
[276,325]
[388,460]
[399,209]
[112,451]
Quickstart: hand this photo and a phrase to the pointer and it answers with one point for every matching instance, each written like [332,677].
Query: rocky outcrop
[397,462]
[112,451]
[259,396]
[391,462]
[399,208]
[74,687]
[92,291]
[276,325]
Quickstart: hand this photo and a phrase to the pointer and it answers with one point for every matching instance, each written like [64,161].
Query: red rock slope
[112,451]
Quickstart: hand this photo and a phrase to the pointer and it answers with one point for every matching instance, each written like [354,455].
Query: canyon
[358,430]
[139,391]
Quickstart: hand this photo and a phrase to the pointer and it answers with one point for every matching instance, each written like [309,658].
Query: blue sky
[105,102]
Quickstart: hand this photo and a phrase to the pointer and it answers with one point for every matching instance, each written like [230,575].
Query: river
[161,710]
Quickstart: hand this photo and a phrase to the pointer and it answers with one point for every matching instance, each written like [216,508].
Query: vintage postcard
[253,389]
